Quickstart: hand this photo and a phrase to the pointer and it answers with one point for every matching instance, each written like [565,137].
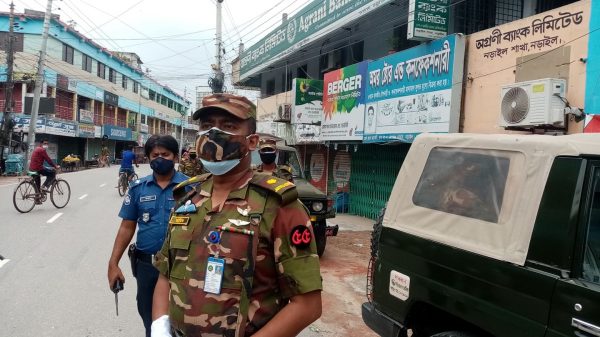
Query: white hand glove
[161,327]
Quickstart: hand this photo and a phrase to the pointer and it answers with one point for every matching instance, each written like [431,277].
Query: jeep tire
[320,230]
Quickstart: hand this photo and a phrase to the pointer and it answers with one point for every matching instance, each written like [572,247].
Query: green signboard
[427,19]
[308,101]
[317,19]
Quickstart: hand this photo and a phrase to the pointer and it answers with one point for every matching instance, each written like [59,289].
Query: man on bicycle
[38,157]
[128,161]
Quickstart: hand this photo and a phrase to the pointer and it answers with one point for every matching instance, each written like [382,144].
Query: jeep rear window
[463,182]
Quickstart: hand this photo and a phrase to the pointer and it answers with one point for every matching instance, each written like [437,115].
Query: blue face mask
[162,166]
[220,168]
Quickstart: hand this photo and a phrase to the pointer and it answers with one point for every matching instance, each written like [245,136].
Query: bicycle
[27,194]
[123,183]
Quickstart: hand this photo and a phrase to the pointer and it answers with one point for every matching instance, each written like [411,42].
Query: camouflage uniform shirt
[191,167]
[280,172]
[262,271]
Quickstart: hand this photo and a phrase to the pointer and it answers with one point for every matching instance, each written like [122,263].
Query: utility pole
[217,81]
[8,86]
[182,114]
[37,90]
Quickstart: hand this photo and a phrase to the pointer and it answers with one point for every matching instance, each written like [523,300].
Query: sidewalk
[349,222]
[8,180]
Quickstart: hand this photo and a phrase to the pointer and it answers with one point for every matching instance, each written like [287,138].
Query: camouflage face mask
[217,145]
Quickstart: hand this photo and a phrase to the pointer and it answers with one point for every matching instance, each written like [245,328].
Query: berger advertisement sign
[307,101]
[414,91]
[344,103]
[316,19]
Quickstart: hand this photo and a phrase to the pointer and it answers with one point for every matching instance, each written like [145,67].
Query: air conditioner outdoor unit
[534,103]
[284,113]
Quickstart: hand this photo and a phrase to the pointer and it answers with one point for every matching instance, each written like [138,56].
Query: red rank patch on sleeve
[301,237]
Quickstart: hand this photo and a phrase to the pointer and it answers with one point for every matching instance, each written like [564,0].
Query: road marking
[83,197]
[52,219]
[102,185]
[3,262]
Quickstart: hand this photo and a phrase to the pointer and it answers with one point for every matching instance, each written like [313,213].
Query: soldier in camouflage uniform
[268,155]
[239,258]
[191,166]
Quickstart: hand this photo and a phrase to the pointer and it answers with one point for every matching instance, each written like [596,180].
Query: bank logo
[291,31]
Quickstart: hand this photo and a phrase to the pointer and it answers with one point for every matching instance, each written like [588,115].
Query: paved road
[55,282]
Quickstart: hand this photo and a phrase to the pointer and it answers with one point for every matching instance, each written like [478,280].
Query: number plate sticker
[399,285]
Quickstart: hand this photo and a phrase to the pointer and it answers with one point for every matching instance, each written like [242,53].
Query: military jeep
[319,206]
[490,235]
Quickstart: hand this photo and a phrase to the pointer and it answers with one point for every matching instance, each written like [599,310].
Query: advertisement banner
[110,98]
[97,131]
[277,129]
[144,128]
[427,19]
[22,124]
[61,128]
[307,99]
[86,130]
[116,132]
[317,170]
[307,134]
[86,116]
[414,91]
[316,19]
[344,103]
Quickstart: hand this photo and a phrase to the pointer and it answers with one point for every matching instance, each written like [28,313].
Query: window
[101,70]
[546,5]
[302,71]
[112,75]
[472,16]
[86,63]
[591,259]
[17,41]
[270,88]
[136,87]
[508,11]
[124,82]
[463,182]
[143,119]
[68,53]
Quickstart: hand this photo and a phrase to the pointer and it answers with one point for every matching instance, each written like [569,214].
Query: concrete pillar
[127,118]
[116,115]
[102,107]
[23,92]
[75,106]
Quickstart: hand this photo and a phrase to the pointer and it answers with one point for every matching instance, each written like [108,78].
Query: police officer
[147,206]
[192,166]
[267,150]
[239,258]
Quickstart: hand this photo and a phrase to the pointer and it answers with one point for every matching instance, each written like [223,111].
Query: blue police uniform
[150,206]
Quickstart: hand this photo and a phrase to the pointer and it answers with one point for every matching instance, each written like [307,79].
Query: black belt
[144,257]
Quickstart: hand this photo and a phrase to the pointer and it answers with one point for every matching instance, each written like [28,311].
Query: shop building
[345,84]
[87,90]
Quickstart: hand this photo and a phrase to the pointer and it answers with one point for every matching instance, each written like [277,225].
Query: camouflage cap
[266,143]
[238,106]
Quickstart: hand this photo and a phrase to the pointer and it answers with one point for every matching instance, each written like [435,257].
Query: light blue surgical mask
[220,168]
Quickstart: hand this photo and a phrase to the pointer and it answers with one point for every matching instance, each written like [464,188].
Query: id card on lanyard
[214,275]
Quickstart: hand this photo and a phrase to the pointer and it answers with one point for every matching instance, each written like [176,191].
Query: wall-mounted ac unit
[284,113]
[533,103]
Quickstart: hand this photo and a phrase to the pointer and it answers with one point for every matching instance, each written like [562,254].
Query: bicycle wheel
[24,196]
[122,186]
[60,194]
[134,177]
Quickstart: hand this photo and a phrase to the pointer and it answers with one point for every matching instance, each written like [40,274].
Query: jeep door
[576,302]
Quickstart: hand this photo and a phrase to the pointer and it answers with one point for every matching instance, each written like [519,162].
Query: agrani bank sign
[316,19]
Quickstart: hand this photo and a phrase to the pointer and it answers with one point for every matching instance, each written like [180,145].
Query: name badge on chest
[148,198]
[214,275]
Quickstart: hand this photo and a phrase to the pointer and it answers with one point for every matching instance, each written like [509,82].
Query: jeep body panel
[490,294]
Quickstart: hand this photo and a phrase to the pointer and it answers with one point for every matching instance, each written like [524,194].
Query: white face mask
[45,146]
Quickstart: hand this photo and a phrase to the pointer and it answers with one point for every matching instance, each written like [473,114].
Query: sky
[175,39]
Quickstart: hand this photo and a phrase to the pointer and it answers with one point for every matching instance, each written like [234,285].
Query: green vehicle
[490,235]
[318,204]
